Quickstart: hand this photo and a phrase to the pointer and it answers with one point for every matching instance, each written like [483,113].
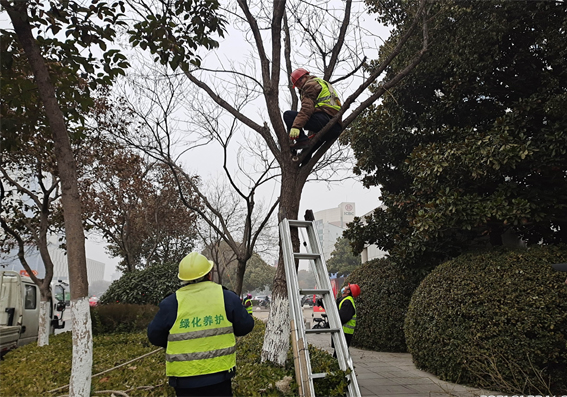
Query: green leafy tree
[473,144]
[258,274]
[342,260]
[35,34]
[38,27]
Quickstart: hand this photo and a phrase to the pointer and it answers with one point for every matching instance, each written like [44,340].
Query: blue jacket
[158,331]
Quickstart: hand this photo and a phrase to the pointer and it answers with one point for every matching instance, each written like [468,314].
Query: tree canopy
[342,260]
[258,275]
[135,204]
[473,143]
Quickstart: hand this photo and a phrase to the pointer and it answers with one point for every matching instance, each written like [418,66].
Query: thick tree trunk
[44,322]
[45,307]
[80,382]
[276,341]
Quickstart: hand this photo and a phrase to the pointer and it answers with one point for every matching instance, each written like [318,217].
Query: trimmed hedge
[496,320]
[117,318]
[381,308]
[148,286]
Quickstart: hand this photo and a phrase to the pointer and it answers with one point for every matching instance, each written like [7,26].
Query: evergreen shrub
[386,290]
[496,320]
[119,318]
[148,286]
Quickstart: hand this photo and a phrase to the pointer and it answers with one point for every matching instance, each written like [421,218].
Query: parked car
[263,300]
[307,300]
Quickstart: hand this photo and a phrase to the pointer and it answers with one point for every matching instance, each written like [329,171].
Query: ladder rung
[321,330]
[304,375]
[305,255]
[314,291]
[297,223]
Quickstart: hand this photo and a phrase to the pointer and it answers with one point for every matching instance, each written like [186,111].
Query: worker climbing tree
[319,104]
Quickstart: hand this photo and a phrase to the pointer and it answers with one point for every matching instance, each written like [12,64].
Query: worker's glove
[294,133]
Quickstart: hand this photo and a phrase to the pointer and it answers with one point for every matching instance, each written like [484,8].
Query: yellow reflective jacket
[248,308]
[202,340]
[328,96]
[349,327]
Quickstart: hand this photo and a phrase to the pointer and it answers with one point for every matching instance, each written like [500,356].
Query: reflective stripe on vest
[248,308]
[202,340]
[328,96]
[349,327]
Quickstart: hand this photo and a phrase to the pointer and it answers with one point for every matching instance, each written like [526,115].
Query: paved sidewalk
[390,374]
[395,375]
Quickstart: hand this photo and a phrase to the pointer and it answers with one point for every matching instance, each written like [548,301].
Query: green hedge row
[496,320]
[145,287]
[386,291]
[118,318]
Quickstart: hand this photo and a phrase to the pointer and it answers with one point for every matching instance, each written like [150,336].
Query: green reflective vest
[349,327]
[202,340]
[328,96]
[248,308]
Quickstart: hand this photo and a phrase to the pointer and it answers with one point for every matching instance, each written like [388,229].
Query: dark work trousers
[219,389]
[317,121]
[348,338]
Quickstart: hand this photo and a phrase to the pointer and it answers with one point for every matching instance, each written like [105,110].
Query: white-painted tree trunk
[44,324]
[81,371]
[276,341]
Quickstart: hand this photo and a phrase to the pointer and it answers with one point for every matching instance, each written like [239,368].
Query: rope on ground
[112,392]
[120,393]
[112,369]
[145,387]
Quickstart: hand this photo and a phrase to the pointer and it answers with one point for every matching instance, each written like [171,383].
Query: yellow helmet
[194,266]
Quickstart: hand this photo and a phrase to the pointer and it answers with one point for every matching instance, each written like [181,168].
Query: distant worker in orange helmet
[347,311]
[319,104]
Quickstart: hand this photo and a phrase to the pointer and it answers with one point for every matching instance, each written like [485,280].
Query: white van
[19,311]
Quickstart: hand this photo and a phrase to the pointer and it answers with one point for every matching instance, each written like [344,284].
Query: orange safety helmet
[354,290]
[296,75]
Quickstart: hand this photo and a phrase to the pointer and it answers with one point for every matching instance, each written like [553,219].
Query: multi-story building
[331,223]
[95,269]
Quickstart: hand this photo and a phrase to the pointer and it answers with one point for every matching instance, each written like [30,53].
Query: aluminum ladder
[303,372]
